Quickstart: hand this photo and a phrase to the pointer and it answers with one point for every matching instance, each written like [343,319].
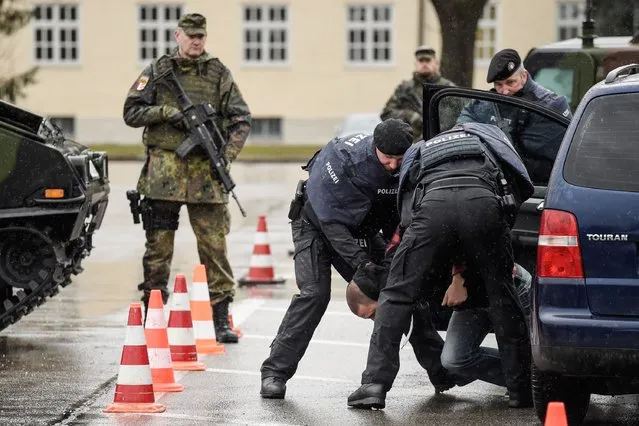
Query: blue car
[585,318]
[579,236]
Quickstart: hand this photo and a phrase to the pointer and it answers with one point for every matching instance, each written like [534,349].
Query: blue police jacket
[498,144]
[347,184]
[538,136]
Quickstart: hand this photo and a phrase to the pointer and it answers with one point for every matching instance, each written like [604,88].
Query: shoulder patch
[566,113]
[142,82]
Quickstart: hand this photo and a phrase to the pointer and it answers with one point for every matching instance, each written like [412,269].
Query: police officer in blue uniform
[537,139]
[350,197]
[459,194]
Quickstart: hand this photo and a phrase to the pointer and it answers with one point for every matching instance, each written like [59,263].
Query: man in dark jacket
[466,326]
[459,193]
[536,138]
[350,197]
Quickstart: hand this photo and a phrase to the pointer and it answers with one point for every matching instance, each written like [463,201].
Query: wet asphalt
[59,364]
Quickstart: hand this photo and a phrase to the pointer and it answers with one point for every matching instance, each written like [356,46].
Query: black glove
[370,278]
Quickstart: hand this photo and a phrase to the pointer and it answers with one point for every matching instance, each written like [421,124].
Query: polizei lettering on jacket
[331,173]
[447,138]
[387,191]
[607,237]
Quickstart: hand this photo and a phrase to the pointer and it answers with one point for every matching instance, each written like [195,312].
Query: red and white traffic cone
[261,265]
[158,346]
[202,314]
[180,330]
[134,388]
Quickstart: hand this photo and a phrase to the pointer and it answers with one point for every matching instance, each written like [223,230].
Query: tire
[547,387]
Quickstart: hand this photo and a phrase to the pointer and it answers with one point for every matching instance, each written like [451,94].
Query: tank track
[18,302]
[24,301]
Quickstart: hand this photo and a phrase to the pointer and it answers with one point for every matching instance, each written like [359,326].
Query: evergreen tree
[14,15]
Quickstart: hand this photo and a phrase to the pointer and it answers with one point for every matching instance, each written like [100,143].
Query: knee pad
[158,215]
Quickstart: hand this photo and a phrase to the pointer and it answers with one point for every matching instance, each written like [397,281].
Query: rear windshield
[604,152]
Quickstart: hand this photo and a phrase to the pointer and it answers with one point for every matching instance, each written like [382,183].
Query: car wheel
[549,387]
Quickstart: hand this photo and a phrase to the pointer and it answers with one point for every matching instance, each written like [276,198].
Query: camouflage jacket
[165,176]
[406,102]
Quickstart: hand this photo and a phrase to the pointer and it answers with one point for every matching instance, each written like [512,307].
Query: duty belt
[458,182]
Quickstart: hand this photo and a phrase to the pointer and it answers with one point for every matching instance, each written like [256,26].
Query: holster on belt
[297,203]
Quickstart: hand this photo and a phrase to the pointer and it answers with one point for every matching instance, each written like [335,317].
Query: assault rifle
[199,119]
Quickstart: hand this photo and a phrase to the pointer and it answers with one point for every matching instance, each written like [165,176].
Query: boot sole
[228,340]
[368,403]
[272,395]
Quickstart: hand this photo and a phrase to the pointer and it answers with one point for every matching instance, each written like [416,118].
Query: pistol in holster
[139,207]
[297,203]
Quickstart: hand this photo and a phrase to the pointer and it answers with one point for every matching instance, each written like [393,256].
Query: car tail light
[558,253]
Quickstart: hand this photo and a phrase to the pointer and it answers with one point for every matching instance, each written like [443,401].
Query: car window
[536,138]
[558,80]
[604,152]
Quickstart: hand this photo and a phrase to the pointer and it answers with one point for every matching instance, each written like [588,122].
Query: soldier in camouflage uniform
[406,102]
[168,182]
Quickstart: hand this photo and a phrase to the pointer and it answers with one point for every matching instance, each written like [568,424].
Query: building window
[266,128]
[56,33]
[486,36]
[156,25]
[66,124]
[266,34]
[570,16]
[369,34]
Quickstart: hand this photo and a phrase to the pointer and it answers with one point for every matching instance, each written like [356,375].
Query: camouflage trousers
[211,225]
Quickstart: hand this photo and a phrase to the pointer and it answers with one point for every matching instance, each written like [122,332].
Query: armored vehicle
[571,67]
[53,196]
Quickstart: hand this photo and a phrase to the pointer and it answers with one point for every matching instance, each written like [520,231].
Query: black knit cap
[393,136]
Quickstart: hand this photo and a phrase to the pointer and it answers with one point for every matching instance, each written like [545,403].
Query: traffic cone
[202,314]
[134,388]
[556,414]
[261,265]
[158,347]
[235,329]
[180,330]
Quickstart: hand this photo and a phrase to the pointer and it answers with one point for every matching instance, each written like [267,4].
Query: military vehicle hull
[53,197]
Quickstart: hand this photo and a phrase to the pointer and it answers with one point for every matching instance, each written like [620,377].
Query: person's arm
[235,110]
[140,109]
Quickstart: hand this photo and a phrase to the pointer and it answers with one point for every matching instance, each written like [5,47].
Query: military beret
[193,24]
[503,65]
[424,51]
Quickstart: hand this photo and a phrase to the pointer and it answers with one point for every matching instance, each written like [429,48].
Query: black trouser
[451,222]
[313,259]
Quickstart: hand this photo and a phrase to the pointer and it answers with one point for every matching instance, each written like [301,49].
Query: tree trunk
[458,21]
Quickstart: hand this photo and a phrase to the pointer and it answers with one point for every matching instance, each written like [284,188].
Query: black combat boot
[369,395]
[520,399]
[273,388]
[223,331]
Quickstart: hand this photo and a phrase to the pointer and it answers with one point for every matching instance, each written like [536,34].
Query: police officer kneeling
[463,189]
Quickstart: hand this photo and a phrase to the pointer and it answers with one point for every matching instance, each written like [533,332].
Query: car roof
[621,83]
[600,42]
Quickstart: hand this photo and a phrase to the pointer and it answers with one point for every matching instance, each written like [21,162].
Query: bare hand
[456,293]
